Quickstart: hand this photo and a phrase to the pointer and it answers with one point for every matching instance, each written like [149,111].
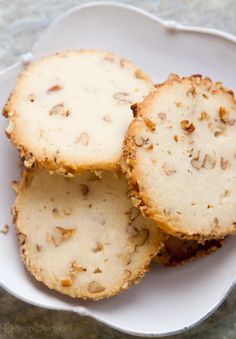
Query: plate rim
[170,25]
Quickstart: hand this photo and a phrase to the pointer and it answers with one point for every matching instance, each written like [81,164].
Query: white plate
[167,300]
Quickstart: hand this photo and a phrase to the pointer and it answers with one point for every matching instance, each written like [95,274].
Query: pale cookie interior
[71,110]
[181,154]
[82,236]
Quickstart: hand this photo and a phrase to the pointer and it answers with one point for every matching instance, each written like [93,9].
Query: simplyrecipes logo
[10,329]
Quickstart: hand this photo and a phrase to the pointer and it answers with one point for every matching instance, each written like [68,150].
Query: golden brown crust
[36,158]
[20,189]
[129,166]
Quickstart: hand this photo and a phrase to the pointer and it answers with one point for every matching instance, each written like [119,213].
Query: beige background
[21,23]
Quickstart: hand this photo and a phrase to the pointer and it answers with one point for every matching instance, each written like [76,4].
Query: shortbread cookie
[180,251]
[70,111]
[181,158]
[81,236]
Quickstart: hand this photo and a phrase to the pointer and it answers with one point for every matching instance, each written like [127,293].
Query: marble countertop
[21,23]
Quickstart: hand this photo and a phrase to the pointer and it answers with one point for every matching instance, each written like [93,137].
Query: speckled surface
[21,23]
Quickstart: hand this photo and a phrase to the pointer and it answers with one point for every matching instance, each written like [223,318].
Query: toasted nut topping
[15,186]
[122,97]
[224,163]
[209,161]
[168,170]
[134,108]
[149,147]
[95,287]
[21,239]
[66,232]
[54,88]
[205,96]
[97,270]
[59,235]
[139,74]
[223,114]
[98,247]
[204,116]
[196,162]
[67,211]
[226,193]
[107,118]
[84,189]
[132,213]
[83,139]
[176,138]
[162,115]
[166,211]
[219,130]
[75,268]
[125,258]
[29,162]
[38,247]
[59,109]
[136,202]
[192,92]
[127,274]
[140,141]
[5,229]
[55,212]
[131,162]
[187,126]
[150,125]
[66,282]
[138,240]
[178,104]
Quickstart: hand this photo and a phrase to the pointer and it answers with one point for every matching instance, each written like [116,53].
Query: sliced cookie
[70,111]
[180,158]
[81,236]
[180,251]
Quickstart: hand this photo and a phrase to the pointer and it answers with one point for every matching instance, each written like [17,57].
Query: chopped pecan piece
[122,97]
[187,126]
[54,88]
[59,109]
[95,287]
[98,247]
[162,115]
[204,116]
[196,162]
[66,282]
[75,268]
[209,161]
[151,125]
[138,240]
[140,141]
[223,114]
[168,170]
[97,270]
[5,229]
[83,139]
[84,189]
[224,163]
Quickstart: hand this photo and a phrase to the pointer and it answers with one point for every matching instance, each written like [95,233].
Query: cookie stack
[82,229]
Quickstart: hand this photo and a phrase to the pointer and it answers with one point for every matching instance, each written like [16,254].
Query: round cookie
[180,158]
[81,236]
[177,251]
[70,111]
